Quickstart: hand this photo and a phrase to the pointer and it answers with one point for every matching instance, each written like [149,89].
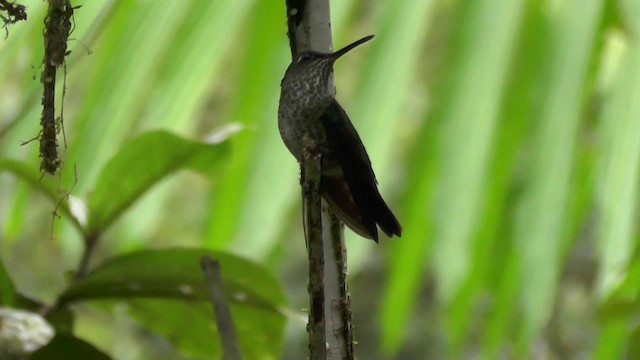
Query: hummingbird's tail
[386,219]
[364,215]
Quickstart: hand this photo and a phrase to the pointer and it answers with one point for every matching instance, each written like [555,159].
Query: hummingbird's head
[316,67]
[312,66]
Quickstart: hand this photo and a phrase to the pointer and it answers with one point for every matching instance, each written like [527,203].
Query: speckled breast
[299,113]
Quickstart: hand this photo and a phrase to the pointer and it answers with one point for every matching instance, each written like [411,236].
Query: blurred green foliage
[504,134]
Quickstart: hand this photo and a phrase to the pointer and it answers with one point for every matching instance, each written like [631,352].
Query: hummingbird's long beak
[349,47]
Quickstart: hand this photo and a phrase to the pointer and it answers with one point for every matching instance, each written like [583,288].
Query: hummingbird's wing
[353,160]
[336,191]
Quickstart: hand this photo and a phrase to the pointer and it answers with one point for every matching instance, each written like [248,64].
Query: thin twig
[64,196]
[224,320]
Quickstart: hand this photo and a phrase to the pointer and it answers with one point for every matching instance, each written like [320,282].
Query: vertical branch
[309,28]
[57,27]
[341,310]
[311,194]
[309,25]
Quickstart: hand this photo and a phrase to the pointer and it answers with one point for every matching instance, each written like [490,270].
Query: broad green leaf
[167,293]
[631,8]
[497,256]
[467,146]
[194,60]
[68,347]
[613,337]
[619,166]
[260,333]
[625,299]
[497,332]
[62,320]
[175,273]
[379,109]
[409,258]
[634,342]
[138,166]
[467,149]
[543,210]
[7,289]
[380,114]
[617,194]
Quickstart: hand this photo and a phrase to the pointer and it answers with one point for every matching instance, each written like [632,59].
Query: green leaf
[151,281]
[628,10]
[624,301]
[62,320]
[613,338]
[634,342]
[619,159]
[260,333]
[68,347]
[175,273]
[542,214]
[138,166]
[7,290]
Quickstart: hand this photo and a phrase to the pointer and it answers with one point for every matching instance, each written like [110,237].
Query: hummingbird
[347,183]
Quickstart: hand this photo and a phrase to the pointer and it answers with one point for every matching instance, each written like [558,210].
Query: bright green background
[504,133]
